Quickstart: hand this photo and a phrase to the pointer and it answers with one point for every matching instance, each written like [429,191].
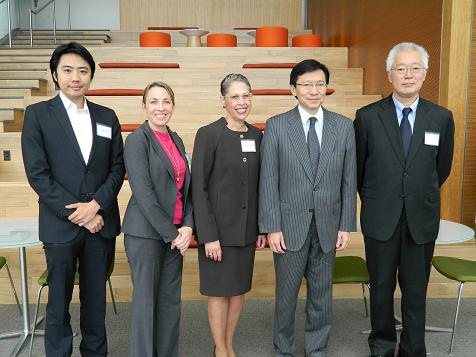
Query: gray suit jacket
[288,196]
[151,208]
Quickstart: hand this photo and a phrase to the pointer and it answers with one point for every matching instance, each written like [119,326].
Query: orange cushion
[127,128]
[272,36]
[114,92]
[269,65]
[137,65]
[307,40]
[221,40]
[154,39]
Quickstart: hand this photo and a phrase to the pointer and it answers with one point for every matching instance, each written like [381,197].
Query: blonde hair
[159,84]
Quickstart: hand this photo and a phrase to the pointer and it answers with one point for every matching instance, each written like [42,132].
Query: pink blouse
[178,167]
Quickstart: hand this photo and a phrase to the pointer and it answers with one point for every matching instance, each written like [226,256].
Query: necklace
[174,160]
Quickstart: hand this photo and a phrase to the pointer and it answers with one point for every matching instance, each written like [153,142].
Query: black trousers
[398,257]
[91,255]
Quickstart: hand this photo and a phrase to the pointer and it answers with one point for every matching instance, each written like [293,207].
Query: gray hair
[407,46]
[229,79]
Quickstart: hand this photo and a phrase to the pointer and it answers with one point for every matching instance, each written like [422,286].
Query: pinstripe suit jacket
[289,196]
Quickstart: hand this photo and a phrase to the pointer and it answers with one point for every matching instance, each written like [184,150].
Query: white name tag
[104,131]
[248,145]
[432,138]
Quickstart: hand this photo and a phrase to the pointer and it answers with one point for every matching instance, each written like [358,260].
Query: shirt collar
[69,105]
[305,115]
[399,106]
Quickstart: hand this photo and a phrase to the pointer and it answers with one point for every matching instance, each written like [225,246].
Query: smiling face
[310,90]
[73,75]
[407,84]
[237,101]
[158,108]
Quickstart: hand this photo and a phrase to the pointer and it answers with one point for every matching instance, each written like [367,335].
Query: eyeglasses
[237,98]
[309,85]
[404,69]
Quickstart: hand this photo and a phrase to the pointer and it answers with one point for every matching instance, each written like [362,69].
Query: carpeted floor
[254,332]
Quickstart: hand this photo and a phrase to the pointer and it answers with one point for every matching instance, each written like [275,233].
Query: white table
[193,36]
[20,233]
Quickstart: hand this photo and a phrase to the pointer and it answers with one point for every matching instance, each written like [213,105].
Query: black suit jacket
[56,170]
[225,186]
[386,182]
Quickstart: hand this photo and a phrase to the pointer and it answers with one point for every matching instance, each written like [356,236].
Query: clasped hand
[85,215]
[183,239]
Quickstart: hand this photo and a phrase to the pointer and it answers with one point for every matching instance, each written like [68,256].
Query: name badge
[248,145]
[432,138]
[104,130]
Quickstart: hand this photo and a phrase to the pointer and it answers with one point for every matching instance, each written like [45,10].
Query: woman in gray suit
[225,194]
[157,225]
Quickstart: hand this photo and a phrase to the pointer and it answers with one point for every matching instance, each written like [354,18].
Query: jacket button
[311,210]
[243,207]
[402,197]
[244,159]
[315,189]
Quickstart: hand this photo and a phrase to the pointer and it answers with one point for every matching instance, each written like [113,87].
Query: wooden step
[50,41]
[37,73]
[62,36]
[12,66]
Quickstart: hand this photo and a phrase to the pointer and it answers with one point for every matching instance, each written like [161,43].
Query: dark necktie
[313,146]
[406,131]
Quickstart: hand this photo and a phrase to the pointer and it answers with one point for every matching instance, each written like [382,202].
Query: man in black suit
[72,152]
[404,154]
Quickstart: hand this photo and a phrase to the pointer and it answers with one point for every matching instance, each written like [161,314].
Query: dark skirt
[232,276]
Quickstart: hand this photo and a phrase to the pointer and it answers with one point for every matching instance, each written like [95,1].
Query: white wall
[83,14]
[4,18]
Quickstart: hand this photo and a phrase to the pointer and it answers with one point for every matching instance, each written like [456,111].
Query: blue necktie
[313,146]
[406,131]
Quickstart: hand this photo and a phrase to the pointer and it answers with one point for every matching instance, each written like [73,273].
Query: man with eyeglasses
[307,205]
[404,154]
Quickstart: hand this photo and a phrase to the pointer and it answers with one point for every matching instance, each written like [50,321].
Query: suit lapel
[388,117]
[327,144]
[59,111]
[94,114]
[159,149]
[422,121]
[298,140]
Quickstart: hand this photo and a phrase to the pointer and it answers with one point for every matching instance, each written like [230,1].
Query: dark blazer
[224,199]
[56,170]
[386,182]
[151,208]
[289,195]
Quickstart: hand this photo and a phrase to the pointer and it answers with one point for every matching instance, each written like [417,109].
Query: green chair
[3,263]
[43,281]
[352,269]
[461,270]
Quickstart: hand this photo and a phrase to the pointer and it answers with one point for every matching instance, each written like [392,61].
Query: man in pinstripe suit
[307,204]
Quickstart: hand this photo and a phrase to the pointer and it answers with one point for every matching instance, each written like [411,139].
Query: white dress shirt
[81,122]
[399,108]
[306,122]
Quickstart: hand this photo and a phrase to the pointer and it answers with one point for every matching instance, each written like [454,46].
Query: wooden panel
[456,42]
[371,28]
[469,176]
[210,14]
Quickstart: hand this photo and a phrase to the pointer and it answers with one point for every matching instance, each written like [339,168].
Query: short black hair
[306,66]
[72,47]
